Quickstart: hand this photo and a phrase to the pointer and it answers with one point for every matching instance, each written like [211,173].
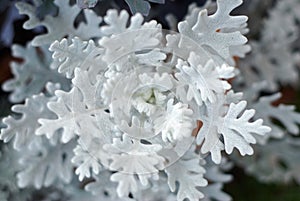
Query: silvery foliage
[127,121]
[31,75]
[86,4]
[61,25]
[215,174]
[40,157]
[277,161]
[142,6]
[275,157]
[9,167]
[276,153]
[136,6]
[274,50]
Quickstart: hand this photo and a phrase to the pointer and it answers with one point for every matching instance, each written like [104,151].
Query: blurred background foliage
[247,188]
[243,187]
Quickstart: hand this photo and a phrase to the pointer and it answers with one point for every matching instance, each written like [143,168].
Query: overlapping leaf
[219,33]
[79,54]
[61,25]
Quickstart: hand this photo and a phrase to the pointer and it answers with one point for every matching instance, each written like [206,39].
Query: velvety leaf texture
[121,109]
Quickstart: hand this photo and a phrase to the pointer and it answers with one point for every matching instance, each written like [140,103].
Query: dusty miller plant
[142,113]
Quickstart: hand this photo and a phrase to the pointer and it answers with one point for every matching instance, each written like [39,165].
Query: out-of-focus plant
[138,112]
